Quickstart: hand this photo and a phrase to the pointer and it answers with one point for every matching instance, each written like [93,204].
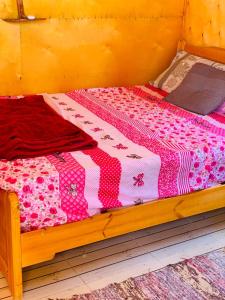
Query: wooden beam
[22,17]
[20,9]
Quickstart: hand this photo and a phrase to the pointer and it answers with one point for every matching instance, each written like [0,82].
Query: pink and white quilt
[147,149]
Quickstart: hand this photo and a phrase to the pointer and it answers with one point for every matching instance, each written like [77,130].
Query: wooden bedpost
[10,242]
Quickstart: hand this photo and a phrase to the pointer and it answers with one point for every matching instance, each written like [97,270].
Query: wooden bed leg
[10,243]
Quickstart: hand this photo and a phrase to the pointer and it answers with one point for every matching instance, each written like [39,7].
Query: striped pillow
[177,71]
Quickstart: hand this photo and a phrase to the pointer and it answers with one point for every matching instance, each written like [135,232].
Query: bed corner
[10,246]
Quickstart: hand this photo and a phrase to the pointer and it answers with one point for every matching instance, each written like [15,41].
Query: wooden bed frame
[19,250]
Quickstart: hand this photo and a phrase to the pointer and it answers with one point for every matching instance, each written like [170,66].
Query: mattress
[147,149]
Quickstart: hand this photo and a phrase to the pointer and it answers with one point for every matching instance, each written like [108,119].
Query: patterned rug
[202,277]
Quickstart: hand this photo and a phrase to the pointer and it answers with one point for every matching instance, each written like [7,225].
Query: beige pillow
[177,71]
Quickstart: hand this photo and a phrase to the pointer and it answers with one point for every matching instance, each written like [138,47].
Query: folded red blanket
[30,128]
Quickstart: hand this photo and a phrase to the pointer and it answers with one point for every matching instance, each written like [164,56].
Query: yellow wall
[86,43]
[205,23]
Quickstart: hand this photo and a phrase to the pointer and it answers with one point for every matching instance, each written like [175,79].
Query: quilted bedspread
[147,149]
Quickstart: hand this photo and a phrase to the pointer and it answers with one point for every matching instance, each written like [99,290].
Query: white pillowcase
[172,77]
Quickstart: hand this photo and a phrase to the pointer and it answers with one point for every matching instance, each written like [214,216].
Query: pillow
[182,63]
[221,109]
[202,90]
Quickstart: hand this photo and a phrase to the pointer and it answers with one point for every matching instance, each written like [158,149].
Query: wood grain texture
[204,24]
[212,53]
[91,43]
[20,9]
[41,245]
[117,259]
[10,246]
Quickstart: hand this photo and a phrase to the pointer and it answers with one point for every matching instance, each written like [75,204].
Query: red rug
[202,277]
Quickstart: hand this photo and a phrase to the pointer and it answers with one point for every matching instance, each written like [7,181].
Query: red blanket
[30,128]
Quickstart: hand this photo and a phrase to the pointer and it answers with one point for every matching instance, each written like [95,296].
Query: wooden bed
[19,250]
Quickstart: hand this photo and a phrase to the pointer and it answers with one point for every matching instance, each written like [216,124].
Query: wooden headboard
[212,53]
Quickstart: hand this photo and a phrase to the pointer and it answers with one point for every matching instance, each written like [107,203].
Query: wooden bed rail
[20,250]
[41,245]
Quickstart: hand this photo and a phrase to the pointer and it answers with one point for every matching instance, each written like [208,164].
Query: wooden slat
[203,226]
[132,254]
[42,245]
[10,246]
[153,260]
[166,210]
[3,283]
[211,53]
[210,217]
[100,259]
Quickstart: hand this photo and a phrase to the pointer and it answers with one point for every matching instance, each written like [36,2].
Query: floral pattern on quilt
[37,184]
[160,118]
[207,167]
[190,132]
[147,149]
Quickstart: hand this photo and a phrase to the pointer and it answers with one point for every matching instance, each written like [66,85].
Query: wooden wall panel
[205,23]
[89,43]
[98,8]
[10,59]
[69,54]
[8,9]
